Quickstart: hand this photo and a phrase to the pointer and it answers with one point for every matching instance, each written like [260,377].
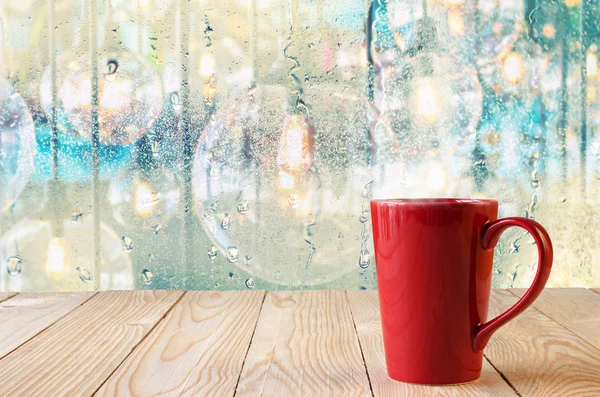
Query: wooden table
[251,343]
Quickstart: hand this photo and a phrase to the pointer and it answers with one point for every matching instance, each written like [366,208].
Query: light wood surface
[365,311]
[25,315]
[578,309]
[5,295]
[78,353]
[248,343]
[541,357]
[304,345]
[198,349]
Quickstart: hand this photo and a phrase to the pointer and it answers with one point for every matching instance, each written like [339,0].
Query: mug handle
[489,238]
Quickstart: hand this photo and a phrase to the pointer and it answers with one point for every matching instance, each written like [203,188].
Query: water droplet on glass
[250,283]
[13,265]
[233,254]
[76,216]
[243,207]
[535,182]
[155,147]
[146,276]
[176,102]
[364,260]
[293,200]
[226,222]
[367,190]
[84,274]
[127,244]
[247,260]
[364,216]
[230,275]
[156,228]
[212,252]
[362,288]
[479,162]
[110,73]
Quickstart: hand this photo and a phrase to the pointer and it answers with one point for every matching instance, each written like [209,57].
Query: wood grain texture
[6,295]
[578,309]
[304,345]
[75,355]
[365,310]
[25,315]
[540,357]
[198,349]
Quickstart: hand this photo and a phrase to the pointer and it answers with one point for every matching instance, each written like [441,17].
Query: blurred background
[236,144]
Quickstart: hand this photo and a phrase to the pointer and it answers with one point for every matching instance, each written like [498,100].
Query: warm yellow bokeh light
[591,63]
[454,3]
[294,146]
[456,23]
[572,3]
[513,68]
[427,100]
[55,263]
[144,199]
[207,65]
[549,31]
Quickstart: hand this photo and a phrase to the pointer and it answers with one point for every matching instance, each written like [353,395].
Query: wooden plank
[578,309]
[77,354]
[304,345]
[540,357]
[198,349]
[5,295]
[365,310]
[26,315]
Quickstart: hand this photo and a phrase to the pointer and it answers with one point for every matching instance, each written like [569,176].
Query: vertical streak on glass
[93,23]
[184,132]
[371,78]
[52,62]
[583,96]
[252,95]
[564,93]
[253,39]
[140,22]
[480,171]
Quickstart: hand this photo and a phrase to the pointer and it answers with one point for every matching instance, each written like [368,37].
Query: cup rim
[434,201]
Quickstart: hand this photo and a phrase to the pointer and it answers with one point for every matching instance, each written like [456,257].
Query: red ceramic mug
[434,271]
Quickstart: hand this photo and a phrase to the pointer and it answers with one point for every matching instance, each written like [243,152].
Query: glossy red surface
[434,271]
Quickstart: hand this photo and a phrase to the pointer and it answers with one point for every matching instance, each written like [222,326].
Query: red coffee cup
[434,271]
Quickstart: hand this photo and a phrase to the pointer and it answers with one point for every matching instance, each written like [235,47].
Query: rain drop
[226,222]
[156,228]
[84,274]
[362,288]
[293,200]
[127,244]
[364,260]
[13,265]
[176,102]
[230,275]
[76,216]
[364,216]
[243,207]
[250,283]
[233,254]
[535,182]
[247,260]
[367,190]
[212,252]
[146,276]
[110,73]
